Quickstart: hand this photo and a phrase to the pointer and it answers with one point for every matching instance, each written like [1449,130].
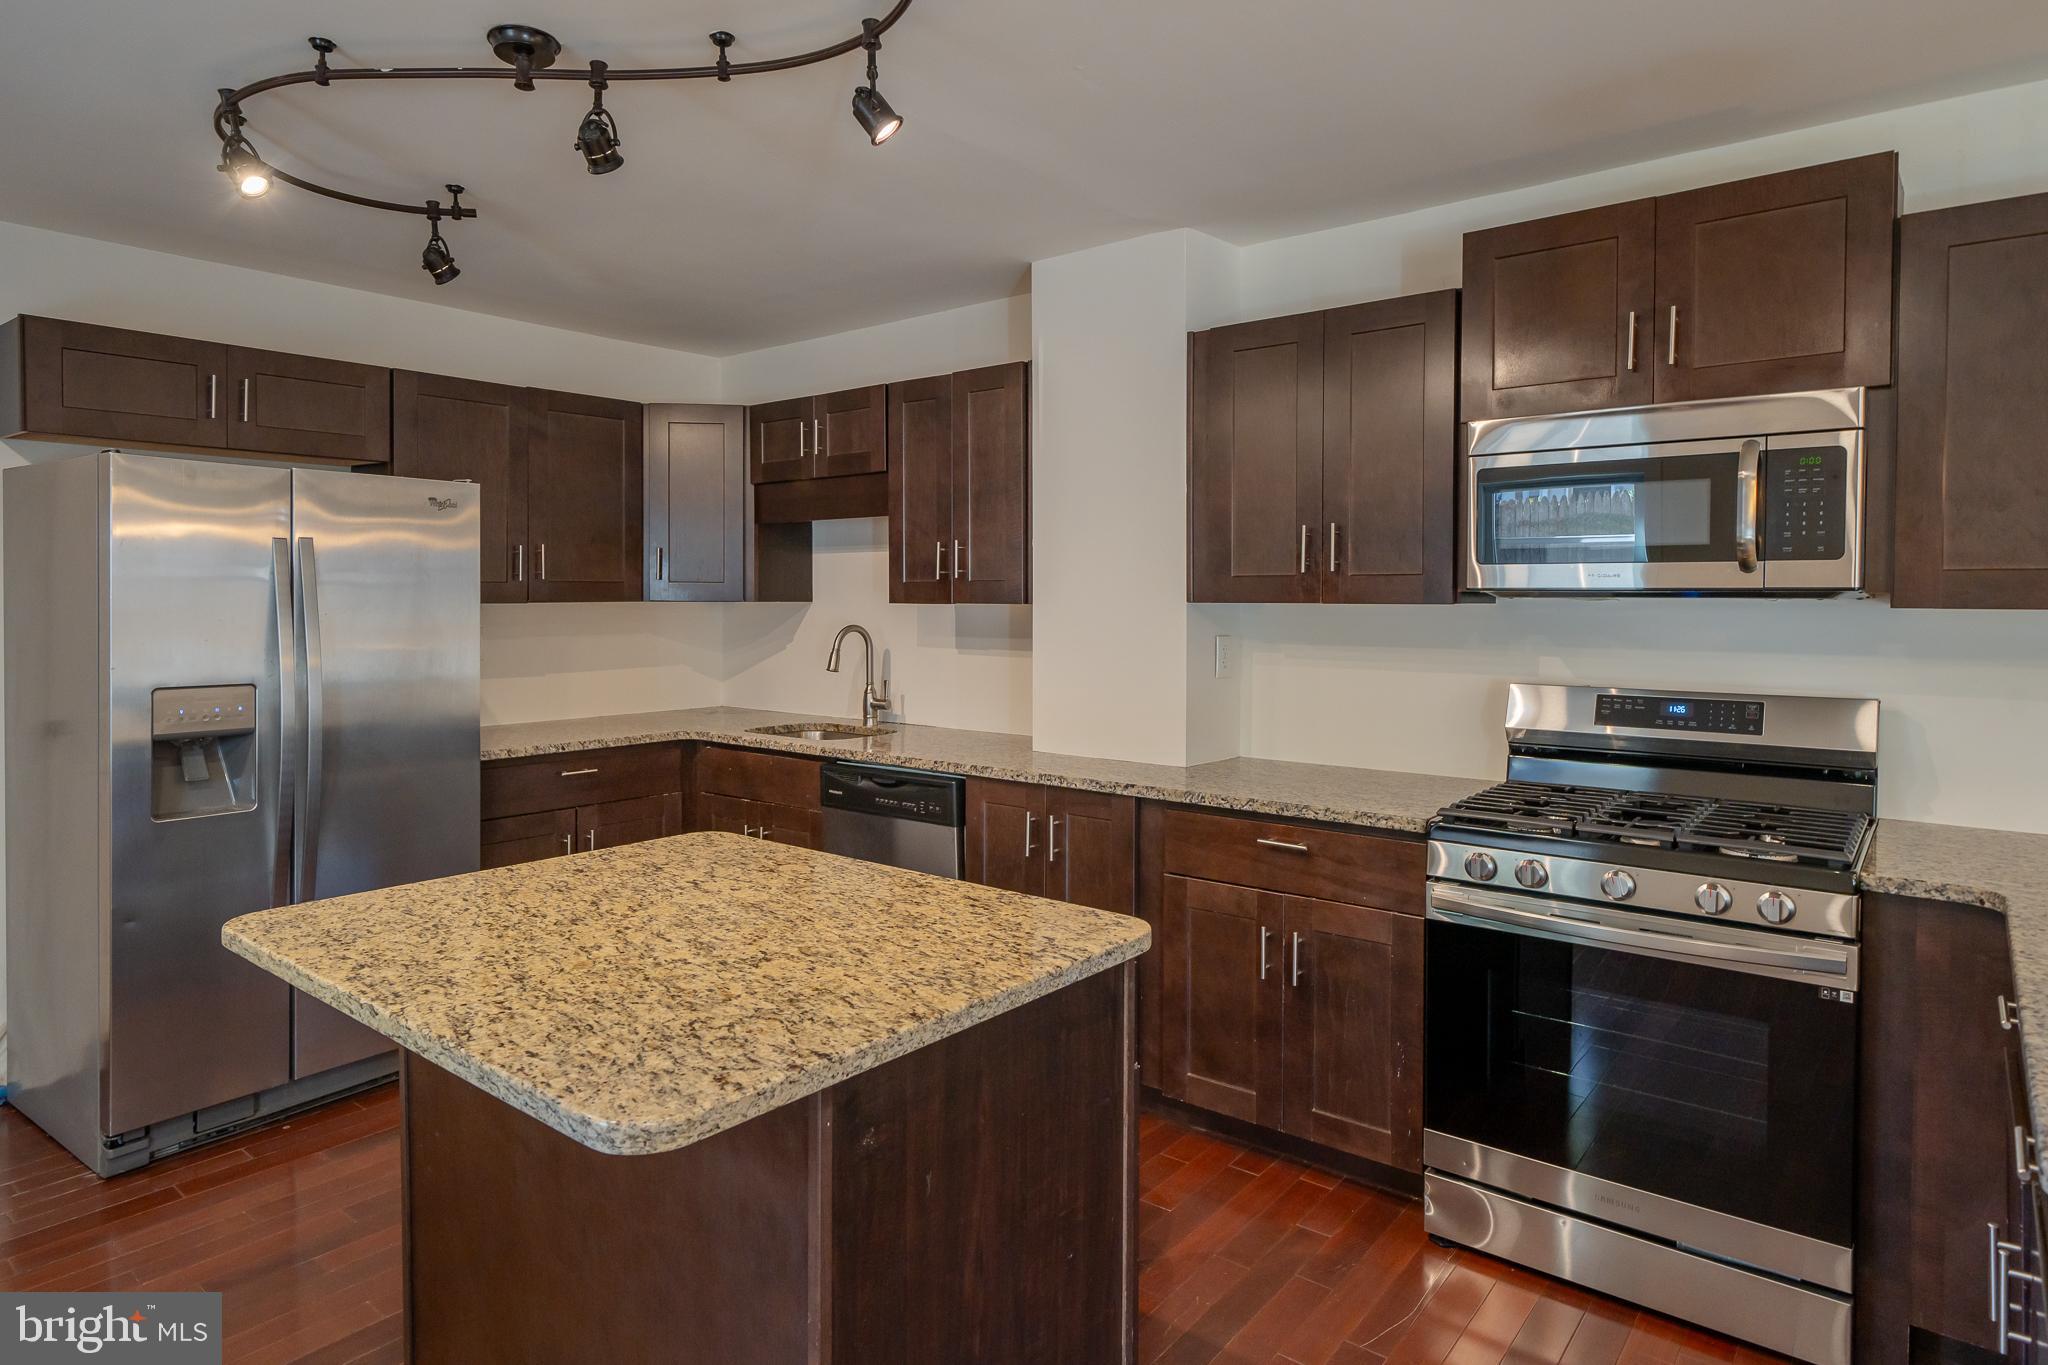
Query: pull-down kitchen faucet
[872,703]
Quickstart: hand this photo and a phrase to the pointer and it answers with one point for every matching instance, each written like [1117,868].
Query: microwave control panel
[1806,503]
[1713,714]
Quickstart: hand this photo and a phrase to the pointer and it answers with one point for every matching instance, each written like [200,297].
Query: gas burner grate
[1743,829]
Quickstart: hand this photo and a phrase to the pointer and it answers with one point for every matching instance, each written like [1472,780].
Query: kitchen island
[710,1098]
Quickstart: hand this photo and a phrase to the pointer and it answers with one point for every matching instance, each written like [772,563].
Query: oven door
[1693,1082]
[1670,517]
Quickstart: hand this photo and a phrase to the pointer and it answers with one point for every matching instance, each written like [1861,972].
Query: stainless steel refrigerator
[228,687]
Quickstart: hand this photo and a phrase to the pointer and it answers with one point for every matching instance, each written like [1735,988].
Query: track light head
[437,260]
[875,115]
[597,137]
[869,107]
[239,162]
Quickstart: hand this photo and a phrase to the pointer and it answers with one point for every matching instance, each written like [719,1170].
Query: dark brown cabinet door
[921,490]
[306,405]
[696,546]
[445,428]
[779,441]
[1390,449]
[585,497]
[109,384]
[1255,462]
[627,822]
[730,814]
[848,430]
[528,838]
[990,556]
[1006,834]
[789,825]
[1220,998]
[1557,313]
[1972,504]
[1091,849]
[1778,283]
[1353,1029]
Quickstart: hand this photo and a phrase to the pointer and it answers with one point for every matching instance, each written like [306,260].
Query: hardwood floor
[1244,1257]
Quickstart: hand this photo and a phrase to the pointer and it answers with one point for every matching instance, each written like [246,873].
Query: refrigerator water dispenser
[202,751]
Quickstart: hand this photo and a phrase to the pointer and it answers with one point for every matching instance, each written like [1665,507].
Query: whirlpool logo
[170,1329]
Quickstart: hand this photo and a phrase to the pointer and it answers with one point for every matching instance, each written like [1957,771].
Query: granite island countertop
[642,998]
[1401,802]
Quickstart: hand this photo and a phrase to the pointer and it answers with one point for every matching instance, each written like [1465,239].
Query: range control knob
[1480,867]
[1618,884]
[1531,873]
[1775,906]
[1713,898]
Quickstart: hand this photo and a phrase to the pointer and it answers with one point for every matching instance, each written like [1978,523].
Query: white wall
[1965,724]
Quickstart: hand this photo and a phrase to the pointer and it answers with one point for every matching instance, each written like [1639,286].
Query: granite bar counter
[799,1107]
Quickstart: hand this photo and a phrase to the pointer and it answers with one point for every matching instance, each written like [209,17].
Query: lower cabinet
[1050,841]
[1278,1003]
[543,807]
[759,795]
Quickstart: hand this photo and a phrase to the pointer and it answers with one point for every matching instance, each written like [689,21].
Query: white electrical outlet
[1226,657]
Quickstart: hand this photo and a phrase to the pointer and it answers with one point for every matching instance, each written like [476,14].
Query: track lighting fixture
[437,260]
[869,108]
[598,137]
[530,56]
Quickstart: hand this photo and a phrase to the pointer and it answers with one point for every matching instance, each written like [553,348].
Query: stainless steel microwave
[1729,496]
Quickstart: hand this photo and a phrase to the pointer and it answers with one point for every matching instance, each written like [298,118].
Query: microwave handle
[1748,505]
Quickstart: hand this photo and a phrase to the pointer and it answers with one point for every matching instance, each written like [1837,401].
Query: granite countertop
[639,999]
[1401,802]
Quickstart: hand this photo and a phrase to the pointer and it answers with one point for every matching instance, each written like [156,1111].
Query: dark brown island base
[713,1099]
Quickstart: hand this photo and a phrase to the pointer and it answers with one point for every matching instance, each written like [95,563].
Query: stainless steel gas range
[1642,999]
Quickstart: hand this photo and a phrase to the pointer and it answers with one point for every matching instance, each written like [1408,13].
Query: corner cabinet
[696,543]
[1769,285]
[560,479]
[1322,458]
[826,437]
[960,487]
[1290,980]
[73,381]
[1972,504]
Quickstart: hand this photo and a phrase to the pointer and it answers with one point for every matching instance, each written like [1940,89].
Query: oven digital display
[1709,714]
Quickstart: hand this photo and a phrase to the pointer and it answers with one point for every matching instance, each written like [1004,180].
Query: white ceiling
[755,213]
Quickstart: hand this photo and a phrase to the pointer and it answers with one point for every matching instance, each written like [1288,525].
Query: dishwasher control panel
[894,793]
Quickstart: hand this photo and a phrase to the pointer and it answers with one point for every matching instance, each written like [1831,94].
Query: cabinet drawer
[759,820]
[527,838]
[559,781]
[755,776]
[1296,860]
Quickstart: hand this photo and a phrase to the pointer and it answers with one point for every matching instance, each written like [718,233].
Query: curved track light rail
[532,54]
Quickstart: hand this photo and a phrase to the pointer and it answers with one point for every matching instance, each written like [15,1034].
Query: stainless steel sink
[824,731]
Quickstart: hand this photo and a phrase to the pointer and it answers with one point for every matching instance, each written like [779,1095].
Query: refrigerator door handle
[282,888]
[306,826]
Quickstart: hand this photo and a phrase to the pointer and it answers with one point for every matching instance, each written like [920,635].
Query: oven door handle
[1794,960]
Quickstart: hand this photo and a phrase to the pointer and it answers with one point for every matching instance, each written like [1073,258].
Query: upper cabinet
[696,503]
[829,436]
[560,478]
[1323,455]
[1770,285]
[1557,313]
[960,487]
[71,381]
[1972,506]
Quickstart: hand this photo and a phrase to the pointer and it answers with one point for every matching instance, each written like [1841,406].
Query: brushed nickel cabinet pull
[578,772]
[746,830]
[1294,968]
[212,396]
[1052,839]
[1283,844]
[245,400]
[2008,1013]
[590,839]
[543,561]
[817,443]
[518,563]
[1303,568]
[1333,547]
[938,559]
[1264,934]
[958,564]
[568,843]
[1029,818]
[661,564]
[1671,341]
[1631,339]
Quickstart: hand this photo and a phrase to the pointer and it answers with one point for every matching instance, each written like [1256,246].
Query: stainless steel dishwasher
[894,815]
